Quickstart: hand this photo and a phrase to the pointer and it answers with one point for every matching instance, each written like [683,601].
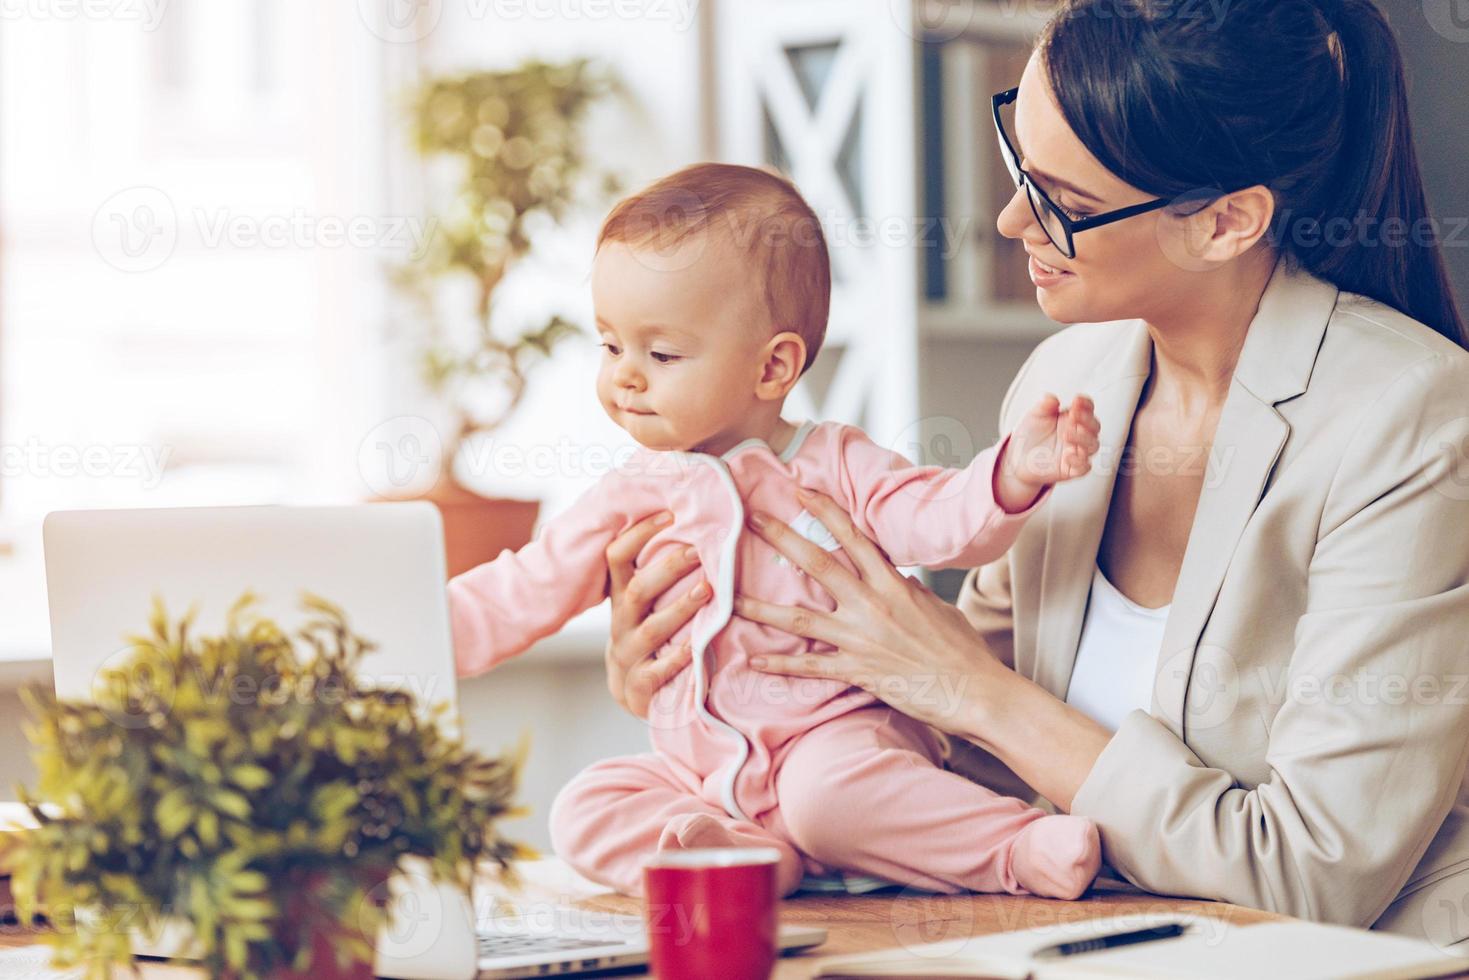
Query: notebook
[1209,949]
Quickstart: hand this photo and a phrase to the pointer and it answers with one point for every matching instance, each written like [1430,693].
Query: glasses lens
[1050,220]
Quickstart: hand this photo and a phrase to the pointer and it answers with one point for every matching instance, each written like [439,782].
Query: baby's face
[682,332]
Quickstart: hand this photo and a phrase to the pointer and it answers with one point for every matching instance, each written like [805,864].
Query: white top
[1117,656]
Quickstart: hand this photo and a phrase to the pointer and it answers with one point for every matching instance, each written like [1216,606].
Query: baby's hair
[759,212]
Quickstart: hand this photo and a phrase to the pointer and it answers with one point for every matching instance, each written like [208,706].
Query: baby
[711,289]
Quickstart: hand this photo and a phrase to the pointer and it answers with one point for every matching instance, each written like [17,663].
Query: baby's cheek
[604,388]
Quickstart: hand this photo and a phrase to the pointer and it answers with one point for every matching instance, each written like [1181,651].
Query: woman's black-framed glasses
[1060,228]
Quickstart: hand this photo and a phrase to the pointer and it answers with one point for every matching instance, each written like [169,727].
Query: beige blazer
[1306,746]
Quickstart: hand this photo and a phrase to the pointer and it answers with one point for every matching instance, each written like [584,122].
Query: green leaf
[174,811]
[250,777]
[232,804]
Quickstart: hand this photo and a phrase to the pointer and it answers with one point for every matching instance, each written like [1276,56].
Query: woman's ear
[781,361]
[1220,232]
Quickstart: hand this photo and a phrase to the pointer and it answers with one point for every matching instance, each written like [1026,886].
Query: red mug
[711,912]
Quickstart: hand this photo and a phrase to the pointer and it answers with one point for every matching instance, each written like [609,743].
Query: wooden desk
[854,924]
[858,924]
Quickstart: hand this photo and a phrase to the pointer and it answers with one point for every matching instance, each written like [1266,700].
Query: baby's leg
[864,792]
[619,812]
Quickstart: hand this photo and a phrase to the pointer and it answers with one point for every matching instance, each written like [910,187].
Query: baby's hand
[1050,445]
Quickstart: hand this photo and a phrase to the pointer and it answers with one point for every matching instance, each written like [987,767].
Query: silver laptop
[383,563]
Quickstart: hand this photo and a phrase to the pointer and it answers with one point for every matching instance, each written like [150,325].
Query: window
[192,255]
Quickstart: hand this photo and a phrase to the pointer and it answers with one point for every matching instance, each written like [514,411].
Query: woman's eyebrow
[1064,185]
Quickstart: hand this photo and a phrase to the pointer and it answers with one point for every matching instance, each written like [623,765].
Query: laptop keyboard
[506,944]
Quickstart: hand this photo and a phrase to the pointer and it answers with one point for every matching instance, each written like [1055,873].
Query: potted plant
[249,788]
[513,141]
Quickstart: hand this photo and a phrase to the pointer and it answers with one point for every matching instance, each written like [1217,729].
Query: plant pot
[324,964]
[476,528]
[306,914]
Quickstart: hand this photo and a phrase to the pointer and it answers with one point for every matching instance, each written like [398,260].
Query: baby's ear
[782,360]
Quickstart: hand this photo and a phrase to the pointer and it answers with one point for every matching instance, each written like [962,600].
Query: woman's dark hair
[1305,97]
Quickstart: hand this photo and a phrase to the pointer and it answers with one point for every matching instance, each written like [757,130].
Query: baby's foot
[1057,856]
[692,830]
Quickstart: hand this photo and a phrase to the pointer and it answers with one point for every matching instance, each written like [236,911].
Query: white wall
[570,718]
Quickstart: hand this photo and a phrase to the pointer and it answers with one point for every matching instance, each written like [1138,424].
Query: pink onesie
[820,770]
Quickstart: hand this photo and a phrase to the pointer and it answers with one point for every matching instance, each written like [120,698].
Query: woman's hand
[634,675]
[894,638]
[899,641]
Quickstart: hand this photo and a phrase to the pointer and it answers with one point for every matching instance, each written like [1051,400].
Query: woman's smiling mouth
[1045,276]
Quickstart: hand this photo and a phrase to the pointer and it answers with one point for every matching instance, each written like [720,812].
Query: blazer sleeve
[498,609]
[1359,784]
[933,516]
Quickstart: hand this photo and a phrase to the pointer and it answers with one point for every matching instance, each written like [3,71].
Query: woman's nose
[1017,220]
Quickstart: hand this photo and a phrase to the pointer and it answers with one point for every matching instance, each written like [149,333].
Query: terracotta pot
[476,528]
[324,964]
[304,913]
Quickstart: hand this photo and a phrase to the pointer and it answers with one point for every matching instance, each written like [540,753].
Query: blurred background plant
[249,785]
[516,139]
[508,147]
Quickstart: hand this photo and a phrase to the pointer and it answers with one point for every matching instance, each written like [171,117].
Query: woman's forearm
[1046,742]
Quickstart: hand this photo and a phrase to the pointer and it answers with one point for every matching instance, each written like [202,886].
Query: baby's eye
[663,358]
[611,349]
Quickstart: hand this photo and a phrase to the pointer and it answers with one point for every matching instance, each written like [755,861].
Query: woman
[1240,645]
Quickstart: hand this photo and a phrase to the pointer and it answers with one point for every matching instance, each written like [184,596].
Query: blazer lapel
[1274,366]
[1077,511]
[1246,445]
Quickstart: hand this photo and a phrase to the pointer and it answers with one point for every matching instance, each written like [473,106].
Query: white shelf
[980,21]
[1017,322]
[581,641]
[25,630]
[969,36]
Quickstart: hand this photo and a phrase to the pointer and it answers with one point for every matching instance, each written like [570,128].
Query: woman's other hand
[894,637]
[634,673]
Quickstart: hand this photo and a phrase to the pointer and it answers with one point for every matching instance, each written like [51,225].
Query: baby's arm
[500,608]
[938,517]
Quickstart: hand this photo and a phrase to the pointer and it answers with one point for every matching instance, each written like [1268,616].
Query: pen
[1108,942]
